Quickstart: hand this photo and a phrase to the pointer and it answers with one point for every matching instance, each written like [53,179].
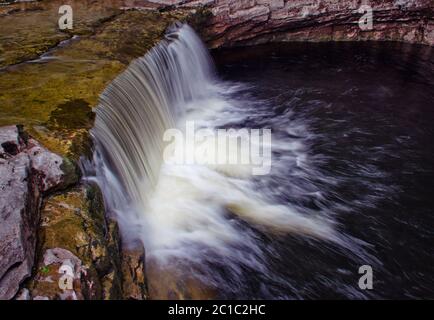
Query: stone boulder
[27,171]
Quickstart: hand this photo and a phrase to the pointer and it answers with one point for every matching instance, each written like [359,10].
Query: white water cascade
[207,217]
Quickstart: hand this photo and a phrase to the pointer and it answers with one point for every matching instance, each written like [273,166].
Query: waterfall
[146,100]
[133,113]
[208,218]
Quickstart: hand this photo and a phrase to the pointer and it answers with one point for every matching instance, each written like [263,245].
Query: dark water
[367,113]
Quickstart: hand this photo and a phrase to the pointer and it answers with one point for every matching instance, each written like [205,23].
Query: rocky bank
[27,171]
[249,22]
[51,224]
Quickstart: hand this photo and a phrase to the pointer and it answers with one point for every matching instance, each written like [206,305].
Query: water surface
[350,182]
[364,114]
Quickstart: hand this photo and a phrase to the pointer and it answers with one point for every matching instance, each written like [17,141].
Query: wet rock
[74,224]
[27,170]
[30,40]
[133,270]
[57,109]
[175,281]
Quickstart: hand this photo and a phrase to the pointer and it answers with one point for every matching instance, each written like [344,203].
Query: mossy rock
[75,221]
[71,172]
[54,98]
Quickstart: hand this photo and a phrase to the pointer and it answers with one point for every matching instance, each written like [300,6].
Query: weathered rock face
[79,255]
[74,235]
[244,22]
[133,270]
[27,170]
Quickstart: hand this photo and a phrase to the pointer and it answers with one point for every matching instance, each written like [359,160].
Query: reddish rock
[246,22]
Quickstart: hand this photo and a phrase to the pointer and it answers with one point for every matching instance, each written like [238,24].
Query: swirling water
[337,194]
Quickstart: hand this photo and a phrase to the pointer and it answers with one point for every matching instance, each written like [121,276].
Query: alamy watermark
[217,147]
[66,18]
[366,21]
[66,281]
[366,281]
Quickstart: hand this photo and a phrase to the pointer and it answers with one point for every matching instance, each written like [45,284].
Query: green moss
[53,100]
[71,172]
[33,29]
[75,221]
[45,269]
[74,114]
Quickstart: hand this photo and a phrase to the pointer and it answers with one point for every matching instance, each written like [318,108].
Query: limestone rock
[75,233]
[27,170]
[245,22]
[60,277]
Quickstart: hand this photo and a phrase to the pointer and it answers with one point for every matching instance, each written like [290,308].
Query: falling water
[210,219]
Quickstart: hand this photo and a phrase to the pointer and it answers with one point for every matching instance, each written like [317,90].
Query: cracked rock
[27,171]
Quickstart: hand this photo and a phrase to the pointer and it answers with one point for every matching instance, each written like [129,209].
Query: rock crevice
[27,171]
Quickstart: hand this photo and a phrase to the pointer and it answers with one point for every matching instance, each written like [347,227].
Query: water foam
[198,214]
